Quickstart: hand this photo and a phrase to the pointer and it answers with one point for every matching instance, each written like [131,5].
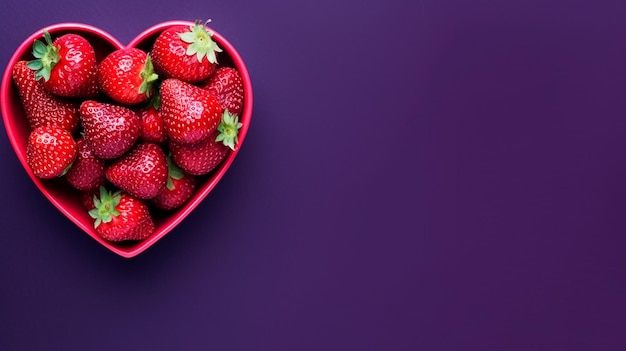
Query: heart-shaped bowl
[63,196]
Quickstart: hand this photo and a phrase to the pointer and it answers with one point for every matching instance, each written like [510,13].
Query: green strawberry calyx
[105,207]
[228,130]
[200,41]
[148,77]
[67,169]
[174,172]
[46,56]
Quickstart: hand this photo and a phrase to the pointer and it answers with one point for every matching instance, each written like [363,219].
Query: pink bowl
[64,197]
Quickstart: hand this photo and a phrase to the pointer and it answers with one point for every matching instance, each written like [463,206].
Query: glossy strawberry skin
[152,127]
[169,55]
[141,173]
[110,130]
[76,74]
[200,158]
[49,151]
[226,84]
[120,76]
[134,221]
[182,189]
[87,171]
[87,198]
[40,106]
[190,114]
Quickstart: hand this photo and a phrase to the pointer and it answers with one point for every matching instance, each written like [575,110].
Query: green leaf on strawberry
[46,56]
[148,76]
[228,130]
[200,42]
[174,172]
[105,207]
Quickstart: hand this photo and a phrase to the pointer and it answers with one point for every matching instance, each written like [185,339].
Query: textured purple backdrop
[418,175]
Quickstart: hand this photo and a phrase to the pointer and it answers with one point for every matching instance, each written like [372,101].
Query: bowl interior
[63,196]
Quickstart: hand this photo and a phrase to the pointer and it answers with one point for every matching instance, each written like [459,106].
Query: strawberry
[152,128]
[141,173]
[50,151]
[67,65]
[121,217]
[126,76]
[190,114]
[87,198]
[200,158]
[185,52]
[40,106]
[180,186]
[110,130]
[205,156]
[87,171]
[227,85]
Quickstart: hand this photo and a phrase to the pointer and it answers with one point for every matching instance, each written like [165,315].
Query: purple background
[418,175]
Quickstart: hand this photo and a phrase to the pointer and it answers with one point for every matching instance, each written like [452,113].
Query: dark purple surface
[418,175]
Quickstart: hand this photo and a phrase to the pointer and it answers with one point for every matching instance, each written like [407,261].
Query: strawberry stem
[148,76]
[105,207]
[46,56]
[174,172]
[200,42]
[228,130]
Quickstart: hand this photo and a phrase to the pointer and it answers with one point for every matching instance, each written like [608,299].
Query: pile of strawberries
[133,132]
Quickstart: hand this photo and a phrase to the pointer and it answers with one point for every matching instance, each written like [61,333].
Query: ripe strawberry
[87,171]
[141,173]
[185,52]
[200,158]
[227,85]
[205,156]
[191,114]
[180,186]
[50,151]
[121,217]
[152,127]
[126,76]
[67,65]
[40,106]
[110,130]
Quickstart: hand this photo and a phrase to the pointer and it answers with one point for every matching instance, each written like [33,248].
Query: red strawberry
[87,198]
[87,171]
[120,217]
[50,151]
[40,106]
[203,157]
[126,76]
[227,85]
[190,113]
[200,158]
[152,128]
[179,188]
[110,130]
[141,173]
[185,52]
[67,65]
